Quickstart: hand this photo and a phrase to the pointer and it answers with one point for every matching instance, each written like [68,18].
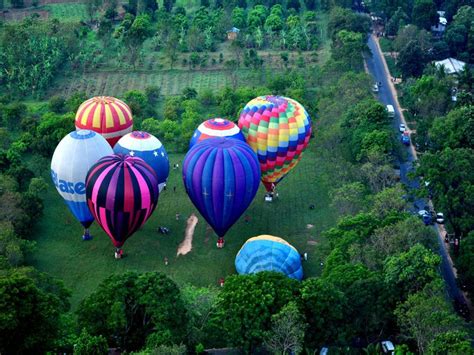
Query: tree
[134,35]
[31,305]
[450,174]
[293,4]
[287,331]
[412,270]
[348,199]
[87,344]
[347,48]
[451,342]
[397,21]
[395,239]
[411,60]
[425,315]
[323,306]
[389,200]
[205,3]
[456,130]
[247,303]
[92,7]
[459,34]
[168,5]
[138,103]
[128,308]
[310,4]
[424,14]
[238,18]
[200,303]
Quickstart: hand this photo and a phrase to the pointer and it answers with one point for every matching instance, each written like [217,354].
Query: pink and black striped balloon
[122,192]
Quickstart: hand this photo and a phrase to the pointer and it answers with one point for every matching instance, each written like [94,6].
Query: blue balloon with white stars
[149,148]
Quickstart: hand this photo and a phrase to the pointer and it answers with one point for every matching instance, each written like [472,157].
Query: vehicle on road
[405,138]
[387,347]
[375,88]
[402,128]
[390,111]
[425,216]
[440,218]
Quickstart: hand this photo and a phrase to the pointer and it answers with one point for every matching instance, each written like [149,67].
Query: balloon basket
[87,237]
[118,254]
[269,197]
[220,243]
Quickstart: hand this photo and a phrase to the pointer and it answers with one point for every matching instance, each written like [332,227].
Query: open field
[83,265]
[72,12]
[171,82]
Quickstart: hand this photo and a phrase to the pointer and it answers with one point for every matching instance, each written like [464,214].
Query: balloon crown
[104,99]
[140,135]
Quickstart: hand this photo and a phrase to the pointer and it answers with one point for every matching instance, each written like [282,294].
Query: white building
[451,65]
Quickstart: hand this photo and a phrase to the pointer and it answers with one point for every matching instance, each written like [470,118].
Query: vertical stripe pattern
[106,115]
[221,177]
[122,192]
[269,253]
[278,129]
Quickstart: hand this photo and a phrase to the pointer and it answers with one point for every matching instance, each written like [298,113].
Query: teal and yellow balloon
[278,129]
[269,253]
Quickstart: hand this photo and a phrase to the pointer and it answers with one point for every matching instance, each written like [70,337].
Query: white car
[375,88]
[402,128]
[387,347]
[439,218]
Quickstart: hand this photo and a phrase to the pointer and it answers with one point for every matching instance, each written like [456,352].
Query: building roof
[234,29]
[451,65]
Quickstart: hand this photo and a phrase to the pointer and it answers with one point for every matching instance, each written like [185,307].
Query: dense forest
[376,274]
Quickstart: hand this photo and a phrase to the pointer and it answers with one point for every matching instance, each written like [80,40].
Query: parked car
[375,88]
[390,111]
[402,128]
[405,138]
[387,347]
[425,216]
[440,218]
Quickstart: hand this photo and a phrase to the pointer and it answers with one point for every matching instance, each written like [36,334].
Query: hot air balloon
[278,130]
[122,192]
[221,176]
[216,127]
[269,253]
[149,148]
[107,116]
[72,158]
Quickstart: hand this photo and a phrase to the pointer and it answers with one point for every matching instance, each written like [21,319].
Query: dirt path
[187,244]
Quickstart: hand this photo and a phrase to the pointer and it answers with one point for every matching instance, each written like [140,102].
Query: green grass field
[66,12]
[171,82]
[83,265]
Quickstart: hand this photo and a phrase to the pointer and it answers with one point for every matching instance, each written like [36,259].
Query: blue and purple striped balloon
[221,177]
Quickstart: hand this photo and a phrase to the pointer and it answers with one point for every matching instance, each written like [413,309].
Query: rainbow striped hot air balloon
[278,130]
[216,127]
[122,192]
[221,176]
[269,253]
[106,115]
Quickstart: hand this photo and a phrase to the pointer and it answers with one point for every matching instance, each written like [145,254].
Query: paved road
[376,67]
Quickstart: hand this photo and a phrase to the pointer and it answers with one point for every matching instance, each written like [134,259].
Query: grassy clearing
[67,12]
[171,82]
[386,44]
[83,265]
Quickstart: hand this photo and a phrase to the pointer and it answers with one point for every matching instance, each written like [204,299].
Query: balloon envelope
[269,253]
[122,192]
[221,177]
[71,161]
[278,129]
[216,127]
[106,115]
[147,147]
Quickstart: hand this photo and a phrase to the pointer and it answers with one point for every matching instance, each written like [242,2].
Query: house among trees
[232,33]
[440,27]
[451,65]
